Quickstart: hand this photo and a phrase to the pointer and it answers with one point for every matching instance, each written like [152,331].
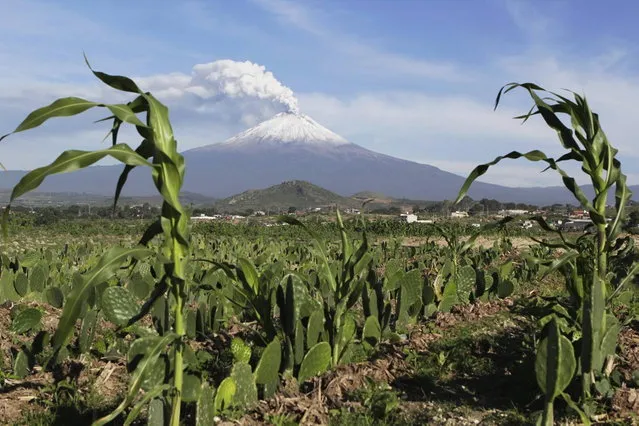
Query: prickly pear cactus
[245,388]
[267,370]
[410,300]
[372,332]
[205,411]
[505,288]
[240,350]
[555,366]
[315,328]
[224,397]
[466,280]
[316,361]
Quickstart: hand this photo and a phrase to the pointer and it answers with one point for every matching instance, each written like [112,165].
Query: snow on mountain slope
[284,129]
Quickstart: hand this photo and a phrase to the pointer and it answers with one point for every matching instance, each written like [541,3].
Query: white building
[512,212]
[459,214]
[204,217]
[408,217]
[412,218]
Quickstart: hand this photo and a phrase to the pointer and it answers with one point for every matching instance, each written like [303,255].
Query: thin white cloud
[531,19]
[409,122]
[610,94]
[364,57]
[513,173]
[453,131]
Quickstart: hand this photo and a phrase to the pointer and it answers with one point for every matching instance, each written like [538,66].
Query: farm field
[431,332]
[167,322]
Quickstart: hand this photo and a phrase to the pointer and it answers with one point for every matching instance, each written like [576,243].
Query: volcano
[293,146]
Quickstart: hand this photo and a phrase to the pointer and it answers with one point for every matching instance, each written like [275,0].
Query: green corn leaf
[153,230]
[534,155]
[145,150]
[319,246]
[118,82]
[125,114]
[546,227]
[64,107]
[158,345]
[347,247]
[316,361]
[155,374]
[622,195]
[249,274]
[585,420]
[69,161]
[152,396]
[105,268]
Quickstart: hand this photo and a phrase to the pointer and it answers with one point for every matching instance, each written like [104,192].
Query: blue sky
[411,78]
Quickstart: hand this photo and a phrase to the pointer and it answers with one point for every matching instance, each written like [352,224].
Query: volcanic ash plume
[227,78]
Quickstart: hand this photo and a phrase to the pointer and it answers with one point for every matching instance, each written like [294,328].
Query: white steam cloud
[224,80]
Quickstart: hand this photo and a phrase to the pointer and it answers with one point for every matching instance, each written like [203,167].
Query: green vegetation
[297,194]
[316,320]
[597,266]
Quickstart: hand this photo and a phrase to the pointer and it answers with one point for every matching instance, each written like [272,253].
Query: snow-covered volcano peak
[287,128]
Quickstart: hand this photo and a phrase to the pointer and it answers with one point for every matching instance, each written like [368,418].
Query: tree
[632,222]
[476,210]
[292,209]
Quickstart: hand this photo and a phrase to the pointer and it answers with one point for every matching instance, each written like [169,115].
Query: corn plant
[342,287]
[158,152]
[586,262]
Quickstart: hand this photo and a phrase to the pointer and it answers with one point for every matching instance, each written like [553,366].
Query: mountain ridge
[292,146]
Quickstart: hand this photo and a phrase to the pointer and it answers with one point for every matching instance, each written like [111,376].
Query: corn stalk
[586,144]
[167,169]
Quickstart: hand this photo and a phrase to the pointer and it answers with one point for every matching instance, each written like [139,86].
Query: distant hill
[296,193]
[42,199]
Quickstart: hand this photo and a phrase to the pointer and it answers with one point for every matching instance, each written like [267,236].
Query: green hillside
[299,194]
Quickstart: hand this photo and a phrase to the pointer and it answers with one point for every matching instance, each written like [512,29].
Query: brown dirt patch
[625,402]
[471,312]
[629,352]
